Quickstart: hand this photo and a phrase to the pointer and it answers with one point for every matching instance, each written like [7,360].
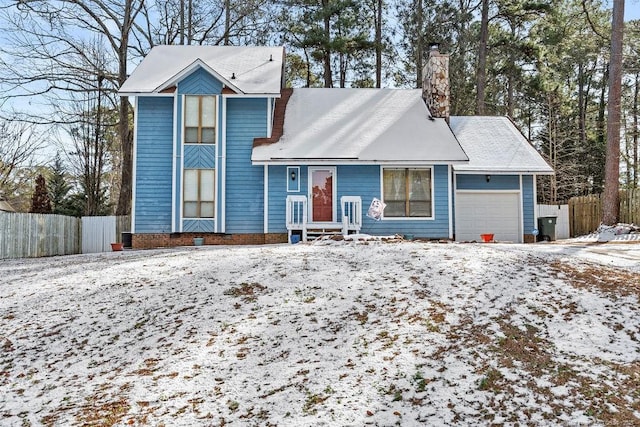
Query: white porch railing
[297,217]
[351,213]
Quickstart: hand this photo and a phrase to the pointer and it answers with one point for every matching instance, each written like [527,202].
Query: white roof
[494,144]
[361,125]
[257,70]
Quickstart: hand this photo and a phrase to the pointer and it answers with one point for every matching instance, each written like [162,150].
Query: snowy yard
[335,334]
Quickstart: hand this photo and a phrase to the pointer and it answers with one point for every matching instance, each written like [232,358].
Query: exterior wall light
[488,177]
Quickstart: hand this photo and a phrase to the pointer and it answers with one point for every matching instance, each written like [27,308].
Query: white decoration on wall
[376,209]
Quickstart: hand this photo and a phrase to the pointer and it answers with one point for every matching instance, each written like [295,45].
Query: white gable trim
[173,81]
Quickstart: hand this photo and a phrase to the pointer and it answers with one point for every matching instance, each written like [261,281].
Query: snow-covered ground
[333,333]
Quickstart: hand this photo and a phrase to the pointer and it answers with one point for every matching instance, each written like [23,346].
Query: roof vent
[233,76]
[270,58]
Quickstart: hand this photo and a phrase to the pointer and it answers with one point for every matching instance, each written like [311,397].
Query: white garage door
[488,213]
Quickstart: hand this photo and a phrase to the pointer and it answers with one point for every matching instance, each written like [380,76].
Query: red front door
[322,195]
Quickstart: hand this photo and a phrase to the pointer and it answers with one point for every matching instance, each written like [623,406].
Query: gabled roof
[244,69]
[360,125]
[494,144]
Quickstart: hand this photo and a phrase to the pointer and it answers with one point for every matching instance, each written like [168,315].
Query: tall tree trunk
[582,104]
[181,22]
[379,43]
[636,131]
[227,21]
[190,22]
[611,200]
[481,72]
[419,43]
[126,140]
[328,75]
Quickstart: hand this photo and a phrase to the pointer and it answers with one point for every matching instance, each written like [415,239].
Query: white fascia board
[252,95]
[332,162]
[499,172]
[145,94]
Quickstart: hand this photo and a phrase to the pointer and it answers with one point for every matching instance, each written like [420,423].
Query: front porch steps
[314,233]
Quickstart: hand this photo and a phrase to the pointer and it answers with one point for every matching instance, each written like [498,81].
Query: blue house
[223,151]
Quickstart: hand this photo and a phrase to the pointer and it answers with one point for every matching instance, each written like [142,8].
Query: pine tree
[611,199]
[58,188]
[40,202]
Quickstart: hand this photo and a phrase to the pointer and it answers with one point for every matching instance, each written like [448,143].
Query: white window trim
[184,112]
[334,189]
[215,203]
[216,200]
[433,200]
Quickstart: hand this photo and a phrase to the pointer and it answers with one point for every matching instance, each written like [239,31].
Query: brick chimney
[435,85]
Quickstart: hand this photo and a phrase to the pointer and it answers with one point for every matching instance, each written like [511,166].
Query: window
[199,194]
[407,192]
[200,120]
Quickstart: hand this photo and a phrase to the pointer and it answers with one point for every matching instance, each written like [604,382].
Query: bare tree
[49,57]
[211,22]
[611,199]
[19,142]
[481,71]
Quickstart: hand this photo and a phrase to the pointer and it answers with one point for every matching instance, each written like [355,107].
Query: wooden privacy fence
[585,212]
[36,235]
[25,235]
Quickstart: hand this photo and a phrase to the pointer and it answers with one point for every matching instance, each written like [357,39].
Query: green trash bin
[547,228]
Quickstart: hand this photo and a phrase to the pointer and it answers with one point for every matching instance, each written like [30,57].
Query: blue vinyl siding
[436,228]
[198,226]
[528,205]
[479,182]
[278,195]
[505,182]
[199,82]
[246,120]
[201,156]
[363,181]
[153,165]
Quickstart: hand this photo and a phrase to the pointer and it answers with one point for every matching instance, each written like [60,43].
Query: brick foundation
[167,240]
